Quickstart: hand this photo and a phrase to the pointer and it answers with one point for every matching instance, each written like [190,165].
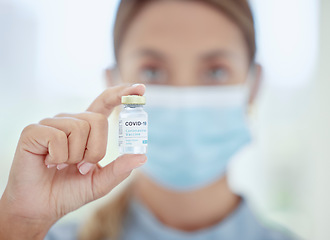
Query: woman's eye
[153,75]
[216,75]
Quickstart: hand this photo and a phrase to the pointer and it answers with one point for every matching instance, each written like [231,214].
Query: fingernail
[142,162]
[137,84]
[62,166]
[51,165]
[79,164]
[85,168]
[140,165]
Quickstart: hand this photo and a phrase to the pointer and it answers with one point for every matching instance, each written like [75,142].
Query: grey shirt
[141,224]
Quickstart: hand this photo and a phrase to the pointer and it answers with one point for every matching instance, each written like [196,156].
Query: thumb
[115,172]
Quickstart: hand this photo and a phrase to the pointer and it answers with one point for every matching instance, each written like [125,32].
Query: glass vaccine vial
[133,126]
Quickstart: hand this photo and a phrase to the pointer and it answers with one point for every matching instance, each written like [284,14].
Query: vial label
[133,135]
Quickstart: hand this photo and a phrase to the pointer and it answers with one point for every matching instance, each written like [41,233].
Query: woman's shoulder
[250,222]
[243,223]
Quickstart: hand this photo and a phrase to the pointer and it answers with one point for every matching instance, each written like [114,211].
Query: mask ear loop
[251,108]
[250,84]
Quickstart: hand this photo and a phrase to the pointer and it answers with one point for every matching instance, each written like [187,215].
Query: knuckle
[80,128]
[75,126]
[61,115]
[126,175]
[118,96]
[97,154]
[113,170]
[45,121]
[28,129]
[83,125]
[59,136]
[118,173]
[100,119]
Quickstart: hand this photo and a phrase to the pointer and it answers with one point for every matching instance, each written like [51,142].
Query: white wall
[320,135]
[52,57]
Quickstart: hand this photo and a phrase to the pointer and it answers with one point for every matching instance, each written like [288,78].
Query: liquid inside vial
[133,126]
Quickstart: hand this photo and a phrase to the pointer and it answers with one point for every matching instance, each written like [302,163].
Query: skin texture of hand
[55,169]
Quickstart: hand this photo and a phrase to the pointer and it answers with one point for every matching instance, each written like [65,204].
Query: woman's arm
[55,168]
[13,226]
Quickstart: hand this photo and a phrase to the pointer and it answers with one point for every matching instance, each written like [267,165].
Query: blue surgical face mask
[193,133]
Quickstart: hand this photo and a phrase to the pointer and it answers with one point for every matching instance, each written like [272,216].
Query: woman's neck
[187,211]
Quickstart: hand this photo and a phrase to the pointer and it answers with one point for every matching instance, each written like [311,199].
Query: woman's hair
[238,11]
[107,221]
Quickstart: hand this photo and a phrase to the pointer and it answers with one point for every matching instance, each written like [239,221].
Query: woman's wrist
[14,226]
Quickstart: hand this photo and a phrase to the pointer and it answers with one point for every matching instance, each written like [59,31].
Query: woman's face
[183,43]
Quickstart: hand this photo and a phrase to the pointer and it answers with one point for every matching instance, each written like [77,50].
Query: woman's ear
[256,83]
[112,76]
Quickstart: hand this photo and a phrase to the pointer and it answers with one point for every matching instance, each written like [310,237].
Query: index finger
[111,98]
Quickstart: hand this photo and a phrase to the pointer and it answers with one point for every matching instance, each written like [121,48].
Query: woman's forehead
[180,26]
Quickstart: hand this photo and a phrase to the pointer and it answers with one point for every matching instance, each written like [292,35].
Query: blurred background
[52,59]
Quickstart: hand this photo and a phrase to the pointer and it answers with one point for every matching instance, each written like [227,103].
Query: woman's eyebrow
[207,56]
[218,53]
[147,52]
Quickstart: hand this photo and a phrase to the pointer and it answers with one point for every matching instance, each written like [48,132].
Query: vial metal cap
[133,99]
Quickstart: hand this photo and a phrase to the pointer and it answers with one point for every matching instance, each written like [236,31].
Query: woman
[197,60]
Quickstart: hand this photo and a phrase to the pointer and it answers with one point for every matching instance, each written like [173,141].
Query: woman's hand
[55,168]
